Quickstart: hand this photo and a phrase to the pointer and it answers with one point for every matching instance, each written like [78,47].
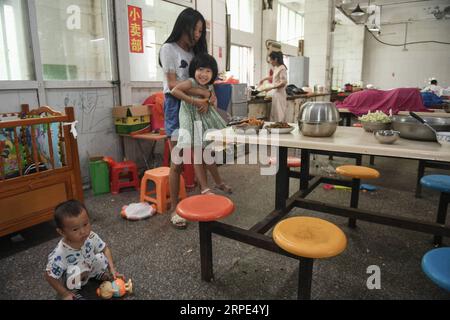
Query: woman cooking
[279,82]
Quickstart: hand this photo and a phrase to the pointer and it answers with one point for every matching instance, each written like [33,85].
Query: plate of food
[280,127]
[249,126]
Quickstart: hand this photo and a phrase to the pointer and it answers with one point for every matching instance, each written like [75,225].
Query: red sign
[135,29]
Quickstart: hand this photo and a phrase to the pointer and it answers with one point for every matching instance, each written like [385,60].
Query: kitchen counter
[345,139]
[260,108]
[289,98]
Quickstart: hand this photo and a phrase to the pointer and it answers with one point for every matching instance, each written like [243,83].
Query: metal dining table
[347,140]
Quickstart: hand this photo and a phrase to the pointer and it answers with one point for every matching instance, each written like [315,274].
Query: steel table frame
[284,203]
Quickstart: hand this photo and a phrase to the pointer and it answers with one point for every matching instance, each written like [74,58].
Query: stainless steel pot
[410,128]
[318,119]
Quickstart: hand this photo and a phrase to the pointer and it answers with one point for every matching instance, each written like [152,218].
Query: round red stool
[205,209]
[292,162]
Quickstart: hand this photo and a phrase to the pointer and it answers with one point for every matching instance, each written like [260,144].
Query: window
[241,12]
[241,64]
[74,39]
[290,25]
[16,61]
[158,20]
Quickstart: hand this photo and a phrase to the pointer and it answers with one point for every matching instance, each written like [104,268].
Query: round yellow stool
[309,238]
[357,173]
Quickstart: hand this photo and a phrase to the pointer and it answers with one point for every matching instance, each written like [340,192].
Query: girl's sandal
[224,187]
[207,191]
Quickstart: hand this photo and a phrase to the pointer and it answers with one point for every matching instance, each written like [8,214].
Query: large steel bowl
[410,128]
[318,119]
[318,129]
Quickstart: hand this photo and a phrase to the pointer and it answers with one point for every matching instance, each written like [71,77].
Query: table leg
[141,149]
[420,173]
[304,169]
[282,180]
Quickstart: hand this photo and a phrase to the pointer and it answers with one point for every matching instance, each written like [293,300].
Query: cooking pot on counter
[318,119]
[410,128]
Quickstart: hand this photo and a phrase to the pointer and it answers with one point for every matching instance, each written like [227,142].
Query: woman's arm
[283,80]
[172,83]
[182,92]
[270,78]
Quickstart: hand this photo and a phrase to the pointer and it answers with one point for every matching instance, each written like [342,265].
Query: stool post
[356,183]
[444,199]
[305,278]
[206,251]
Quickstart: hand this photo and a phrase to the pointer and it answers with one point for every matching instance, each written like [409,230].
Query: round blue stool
[436,265]
[439,183]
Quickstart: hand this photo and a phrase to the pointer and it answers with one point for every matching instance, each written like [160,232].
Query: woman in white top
[279,82]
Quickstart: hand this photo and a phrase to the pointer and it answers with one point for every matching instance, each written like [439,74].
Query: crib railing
[43,116]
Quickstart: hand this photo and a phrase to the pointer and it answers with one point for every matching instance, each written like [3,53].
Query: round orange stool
[161,194]
[205,209]
[356,173]
[309,238]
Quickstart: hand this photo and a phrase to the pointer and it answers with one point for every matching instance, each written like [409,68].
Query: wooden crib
[30,196]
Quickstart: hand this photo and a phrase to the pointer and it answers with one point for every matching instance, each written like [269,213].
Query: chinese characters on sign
[135,29]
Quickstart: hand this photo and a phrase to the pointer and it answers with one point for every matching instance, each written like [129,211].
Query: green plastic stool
[99,172]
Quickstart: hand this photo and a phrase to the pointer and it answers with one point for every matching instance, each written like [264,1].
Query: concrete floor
[164,262]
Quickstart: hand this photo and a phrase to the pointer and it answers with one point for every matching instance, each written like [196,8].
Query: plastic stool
[122,170]
[161,194]
[188,169]
[356,173]
[205,209]
[440,183]
[308,239]
[292,162]
[436,265]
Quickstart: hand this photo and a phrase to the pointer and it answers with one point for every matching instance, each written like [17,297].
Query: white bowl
[280,130]
[443,138]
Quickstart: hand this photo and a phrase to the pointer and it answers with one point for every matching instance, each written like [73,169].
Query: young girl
[194,121]
[279,97]
[187,39]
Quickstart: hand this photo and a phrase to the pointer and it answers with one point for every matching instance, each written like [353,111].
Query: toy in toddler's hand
[115,289]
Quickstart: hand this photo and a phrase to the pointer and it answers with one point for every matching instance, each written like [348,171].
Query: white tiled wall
[318,17]
[348,52]
[391,67]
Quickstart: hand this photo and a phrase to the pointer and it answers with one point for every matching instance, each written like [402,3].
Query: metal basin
[318,119]
[317,129]
[410,128]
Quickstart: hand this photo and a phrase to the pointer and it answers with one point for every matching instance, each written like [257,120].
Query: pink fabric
[402,99]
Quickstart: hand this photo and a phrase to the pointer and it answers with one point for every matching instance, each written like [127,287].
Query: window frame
[39,84]
[250,64]
[252,22]
[289,11]
[119,50]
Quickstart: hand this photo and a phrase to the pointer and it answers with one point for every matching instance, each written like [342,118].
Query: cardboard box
[129,119]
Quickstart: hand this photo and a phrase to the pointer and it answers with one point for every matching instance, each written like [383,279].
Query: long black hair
[68,209]
[204,60]
[185,23]
[278,56]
